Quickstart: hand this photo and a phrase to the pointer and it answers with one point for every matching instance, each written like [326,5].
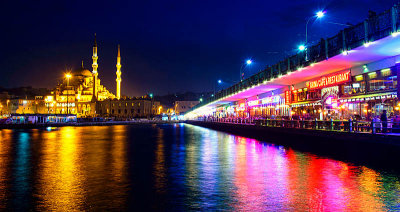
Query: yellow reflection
[159,164]
[60,183]
[370,186]
[5,160]
[119,153]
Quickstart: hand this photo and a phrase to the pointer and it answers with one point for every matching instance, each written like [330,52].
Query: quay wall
[44,125]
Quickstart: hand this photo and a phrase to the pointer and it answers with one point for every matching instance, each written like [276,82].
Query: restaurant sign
[271,99]
[253,102]
[287,97]
[330,80]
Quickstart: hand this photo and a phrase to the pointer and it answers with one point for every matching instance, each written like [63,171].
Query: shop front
[330,88]
[369,94]
[304,103]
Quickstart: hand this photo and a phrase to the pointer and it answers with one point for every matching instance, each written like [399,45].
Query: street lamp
[68,76]
[219,81]
[241,73]
[318,15]
[302,47]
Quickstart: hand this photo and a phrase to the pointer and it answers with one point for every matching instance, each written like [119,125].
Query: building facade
[34,105]
[181,107]
[127,108]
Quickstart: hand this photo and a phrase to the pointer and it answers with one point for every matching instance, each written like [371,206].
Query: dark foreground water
[178,167]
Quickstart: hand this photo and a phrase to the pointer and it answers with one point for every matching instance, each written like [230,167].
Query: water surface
[178,167]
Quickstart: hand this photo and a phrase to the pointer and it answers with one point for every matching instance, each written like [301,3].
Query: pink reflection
[271,177]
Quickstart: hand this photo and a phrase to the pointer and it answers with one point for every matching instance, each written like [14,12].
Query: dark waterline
[178,167]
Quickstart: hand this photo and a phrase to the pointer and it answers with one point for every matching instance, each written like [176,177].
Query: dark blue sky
[166,46]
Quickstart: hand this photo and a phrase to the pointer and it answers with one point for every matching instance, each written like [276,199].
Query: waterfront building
[80,90]
[127,108]
[352,75]
[41,118]
[24,106]
[181,107]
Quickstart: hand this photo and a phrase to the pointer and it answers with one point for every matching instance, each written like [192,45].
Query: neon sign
[287,97]
[271,99]
[252,103]
[329,80]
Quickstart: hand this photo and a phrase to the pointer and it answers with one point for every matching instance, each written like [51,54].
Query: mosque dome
[83,72]
[86,73]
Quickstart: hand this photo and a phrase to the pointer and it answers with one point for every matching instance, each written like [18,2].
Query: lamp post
[67,76]
[217,84]
[248,62]
[318,15]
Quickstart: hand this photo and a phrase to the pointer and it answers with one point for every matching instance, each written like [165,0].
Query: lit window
[372,75]
[359,78]
[386,72]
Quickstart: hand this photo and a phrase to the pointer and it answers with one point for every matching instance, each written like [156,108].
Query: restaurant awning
[306,103]
[368,97]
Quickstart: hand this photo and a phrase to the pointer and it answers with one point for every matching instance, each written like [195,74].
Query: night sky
[166,46]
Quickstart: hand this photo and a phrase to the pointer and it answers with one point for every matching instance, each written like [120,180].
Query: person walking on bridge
[384,120]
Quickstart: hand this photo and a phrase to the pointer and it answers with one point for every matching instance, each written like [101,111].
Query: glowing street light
[320,14]
[248,62]
[68,76]
[219,81]
[302,47]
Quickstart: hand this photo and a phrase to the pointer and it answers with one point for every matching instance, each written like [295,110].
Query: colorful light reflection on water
[178,167]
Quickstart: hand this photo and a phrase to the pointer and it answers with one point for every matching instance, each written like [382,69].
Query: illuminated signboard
[252,103]
[330,91]
[329,80]
[271,99]
[287,97]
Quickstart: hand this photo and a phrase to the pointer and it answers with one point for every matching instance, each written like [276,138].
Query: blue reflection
[21,171]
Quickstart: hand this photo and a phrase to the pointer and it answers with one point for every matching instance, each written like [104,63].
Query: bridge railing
[330,125]
[372,29]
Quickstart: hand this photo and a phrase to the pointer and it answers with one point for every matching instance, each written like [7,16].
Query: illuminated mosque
[80,90]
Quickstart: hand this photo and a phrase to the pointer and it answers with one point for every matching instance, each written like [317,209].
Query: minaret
[94,66]
[118,74]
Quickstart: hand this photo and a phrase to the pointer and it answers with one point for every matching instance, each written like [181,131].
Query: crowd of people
[386,124]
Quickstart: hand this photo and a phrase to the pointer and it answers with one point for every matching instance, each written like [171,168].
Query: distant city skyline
[166,47]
